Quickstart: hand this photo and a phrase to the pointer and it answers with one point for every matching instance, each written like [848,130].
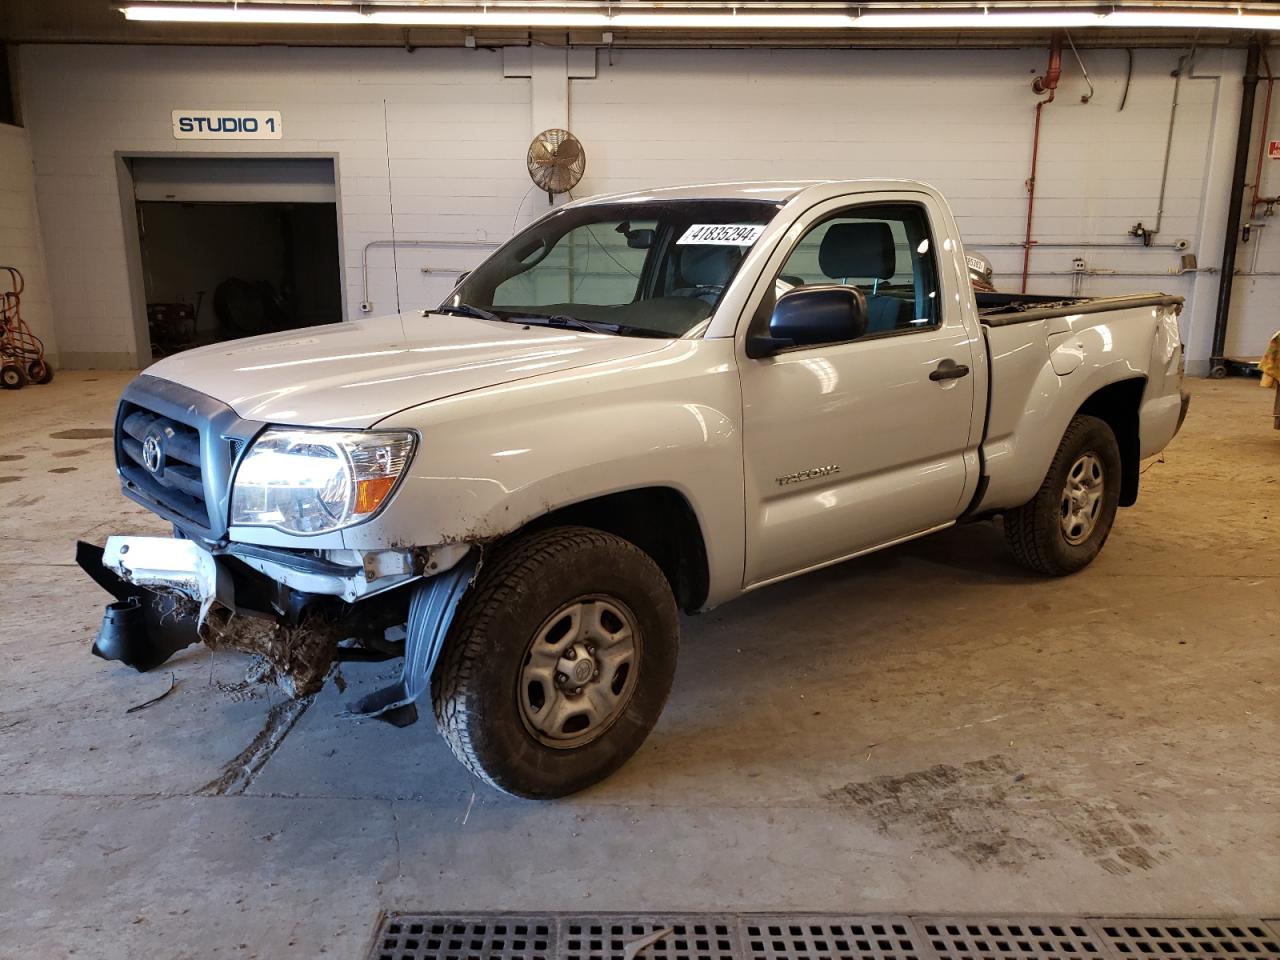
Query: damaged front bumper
[143,628]
[290,608]
[164,564]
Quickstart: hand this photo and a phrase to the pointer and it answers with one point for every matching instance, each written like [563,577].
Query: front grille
[176,450]
[178,483]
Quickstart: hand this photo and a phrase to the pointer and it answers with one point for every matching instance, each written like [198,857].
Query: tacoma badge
[811,474]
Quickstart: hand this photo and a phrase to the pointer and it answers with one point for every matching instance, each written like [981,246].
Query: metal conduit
[1235,202]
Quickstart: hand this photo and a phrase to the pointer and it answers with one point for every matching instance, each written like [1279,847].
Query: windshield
[656,268]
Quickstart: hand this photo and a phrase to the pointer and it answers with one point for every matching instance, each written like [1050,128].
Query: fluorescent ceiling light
[1172,19]
[978,20]
[617,21]
[975,19]
[486,18]
[715,21]
[238,14]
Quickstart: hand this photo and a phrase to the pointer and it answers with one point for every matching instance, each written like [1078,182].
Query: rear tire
[559,662]
[39,371]
[1061,529]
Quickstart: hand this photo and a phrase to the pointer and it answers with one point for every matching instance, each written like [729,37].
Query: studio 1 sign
[227,125]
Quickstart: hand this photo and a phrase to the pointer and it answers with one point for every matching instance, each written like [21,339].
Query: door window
[886,251]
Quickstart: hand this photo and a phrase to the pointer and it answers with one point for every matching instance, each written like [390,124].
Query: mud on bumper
[171,593]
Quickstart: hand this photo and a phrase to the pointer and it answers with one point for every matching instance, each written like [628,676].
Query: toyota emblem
[152,455]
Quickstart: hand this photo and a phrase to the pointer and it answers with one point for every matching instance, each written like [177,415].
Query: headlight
[314,481]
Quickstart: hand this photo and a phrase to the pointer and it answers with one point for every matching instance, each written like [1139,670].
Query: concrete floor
[926,730]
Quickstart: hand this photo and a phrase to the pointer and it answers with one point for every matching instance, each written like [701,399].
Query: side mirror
[826,313]
[462,276]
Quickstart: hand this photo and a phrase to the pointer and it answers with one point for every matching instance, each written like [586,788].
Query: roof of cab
[771,191]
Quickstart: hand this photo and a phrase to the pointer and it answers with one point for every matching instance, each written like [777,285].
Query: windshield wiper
[564,320]
[592,326]
[465,310]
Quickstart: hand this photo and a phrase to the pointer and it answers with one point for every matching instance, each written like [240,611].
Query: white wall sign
[1273,149]
[227,125]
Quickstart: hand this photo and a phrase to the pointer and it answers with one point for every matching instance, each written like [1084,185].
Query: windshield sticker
[723,234]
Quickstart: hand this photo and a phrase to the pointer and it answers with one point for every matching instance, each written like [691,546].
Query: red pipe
[1045,84]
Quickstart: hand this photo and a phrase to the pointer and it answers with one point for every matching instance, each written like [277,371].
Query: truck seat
[703,271]
[865,250]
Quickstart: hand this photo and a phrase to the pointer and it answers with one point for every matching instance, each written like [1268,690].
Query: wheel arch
[659,520]
[1117,404]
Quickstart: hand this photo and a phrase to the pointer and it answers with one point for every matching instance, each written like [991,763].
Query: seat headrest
[858,250]
[708,265]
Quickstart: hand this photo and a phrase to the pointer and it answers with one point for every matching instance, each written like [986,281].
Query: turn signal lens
[371,493]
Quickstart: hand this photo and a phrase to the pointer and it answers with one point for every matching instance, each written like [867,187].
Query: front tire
[559,662]
[12,376]
[1061,529]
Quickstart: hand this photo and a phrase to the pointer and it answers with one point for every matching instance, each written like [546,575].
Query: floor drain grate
[653,937]
[617,936]
[828,938]
[959,938]
[1190,938]
[430,937]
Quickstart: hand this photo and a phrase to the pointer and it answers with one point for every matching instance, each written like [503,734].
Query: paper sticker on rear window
[723,234]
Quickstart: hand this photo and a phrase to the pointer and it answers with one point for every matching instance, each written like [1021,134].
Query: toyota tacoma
[639,405]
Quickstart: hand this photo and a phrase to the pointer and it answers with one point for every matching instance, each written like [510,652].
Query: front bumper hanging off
[144,627]
[171,593]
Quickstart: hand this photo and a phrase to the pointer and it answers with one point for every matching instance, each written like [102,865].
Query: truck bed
[1003,309]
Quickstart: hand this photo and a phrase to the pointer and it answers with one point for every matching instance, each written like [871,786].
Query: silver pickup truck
[639,405]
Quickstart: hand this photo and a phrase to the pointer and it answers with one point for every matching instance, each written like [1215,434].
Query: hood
[357,373]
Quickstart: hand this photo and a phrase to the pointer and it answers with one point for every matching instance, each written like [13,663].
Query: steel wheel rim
[1081,502]
[579,672]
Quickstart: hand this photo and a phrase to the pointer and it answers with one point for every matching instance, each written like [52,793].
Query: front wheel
[1061,529]
[12,376]
[559,662]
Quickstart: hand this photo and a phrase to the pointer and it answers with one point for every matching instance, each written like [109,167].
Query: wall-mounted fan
[557,161]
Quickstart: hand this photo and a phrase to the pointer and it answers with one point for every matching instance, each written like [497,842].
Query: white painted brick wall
[458,133]
[20,244]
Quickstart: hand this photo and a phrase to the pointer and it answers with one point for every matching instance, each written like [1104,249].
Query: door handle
[949,370]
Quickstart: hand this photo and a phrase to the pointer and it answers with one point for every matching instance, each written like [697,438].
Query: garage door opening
[232,248]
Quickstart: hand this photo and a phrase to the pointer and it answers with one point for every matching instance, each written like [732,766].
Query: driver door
[851,445]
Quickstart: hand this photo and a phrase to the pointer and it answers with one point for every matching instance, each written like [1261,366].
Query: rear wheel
[559,662]
[39,371]
[1061,529]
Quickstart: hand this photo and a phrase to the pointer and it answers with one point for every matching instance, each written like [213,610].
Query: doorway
[235,247]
